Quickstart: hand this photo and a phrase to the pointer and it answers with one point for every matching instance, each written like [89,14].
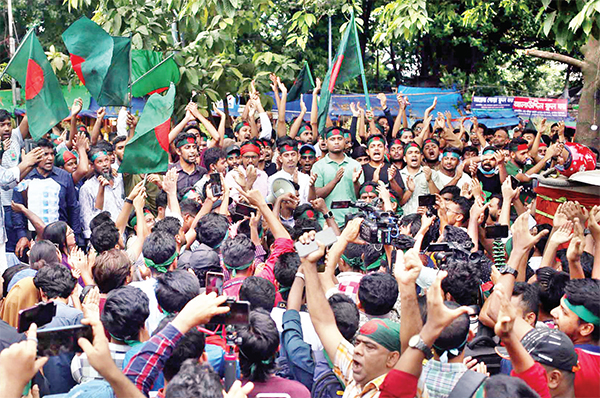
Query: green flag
[346,65]
[302,85]
[100,60]
[151,73]
[148,150]
[44,99]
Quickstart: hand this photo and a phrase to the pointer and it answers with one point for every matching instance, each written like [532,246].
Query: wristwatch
[508,270]
[328,215]
[417,342]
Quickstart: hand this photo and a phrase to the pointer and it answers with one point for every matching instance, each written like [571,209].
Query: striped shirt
[343,370]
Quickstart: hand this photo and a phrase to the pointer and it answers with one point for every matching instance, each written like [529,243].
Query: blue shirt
[51,198]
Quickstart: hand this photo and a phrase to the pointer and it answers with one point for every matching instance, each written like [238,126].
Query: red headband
[249,148]
[522,147]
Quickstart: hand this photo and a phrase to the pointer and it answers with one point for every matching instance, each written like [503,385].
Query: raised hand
[103,181]
[318,84]
[352,231]
[370,115]
[319,205]
[438,315]
[77,106]
[408,267]
[33,157]
[313,179]
[410,184]
[100,113]
[254,197]
[382,100]
[522,237]
[302,104]
[506,316]
[427,172]
[563,234]
[354,110]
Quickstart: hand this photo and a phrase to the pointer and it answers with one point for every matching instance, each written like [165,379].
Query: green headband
[133,221]
[95,156]
[188,193]
[487,151]
[367,188]
[162,268]
[451,154]
[130,343]
[238,268]
[356,262]
[333,132]
[411,145]
[375,138]
[374,265]
[582,312]
[384,332]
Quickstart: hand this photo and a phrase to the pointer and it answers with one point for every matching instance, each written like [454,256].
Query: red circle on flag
[162,134]
[34,82]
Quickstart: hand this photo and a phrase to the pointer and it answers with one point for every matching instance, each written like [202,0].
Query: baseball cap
[201,258]
[306,147]
[549,347]
[232,148]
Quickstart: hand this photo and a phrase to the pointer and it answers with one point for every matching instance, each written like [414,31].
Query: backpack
[482,348]
[325,384]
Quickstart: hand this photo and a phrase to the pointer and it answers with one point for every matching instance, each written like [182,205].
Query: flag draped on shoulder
[101,61]
[148,150]
[44,99]
[302,85]
[346,65]
[151,73]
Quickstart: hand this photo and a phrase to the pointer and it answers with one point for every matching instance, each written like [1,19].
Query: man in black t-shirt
[491,171]
[377,168]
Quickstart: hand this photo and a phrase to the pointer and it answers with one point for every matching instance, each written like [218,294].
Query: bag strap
[467,384]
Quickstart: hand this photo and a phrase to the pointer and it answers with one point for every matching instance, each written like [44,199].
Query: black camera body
[378,227]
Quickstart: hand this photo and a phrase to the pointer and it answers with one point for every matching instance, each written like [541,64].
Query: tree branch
[556,57]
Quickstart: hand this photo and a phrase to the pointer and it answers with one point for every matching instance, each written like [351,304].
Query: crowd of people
[415,298]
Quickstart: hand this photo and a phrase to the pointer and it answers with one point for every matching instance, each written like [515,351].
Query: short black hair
[175,289]
[4,114]
[454,336]
[238,251]
[106,146]
[303,225]
[452,190]
[459,236]
[44,143]
[346,315]
[161,200]
[104,237]
[190,346]
[184,136]
[541,244]
[170,225]
[463,281]
[504,386]
[212,156]
[100,218]
[453,149]
[159,246]
[470,148]
[285,269]
[111,270]
[465,206]
[260,342]
[259,292]
[125,312]
[354,251]
[378,293]
[55,280]
[118,139]
[9,273]
[211,229]
[195,380]
[585,292]
[372,254]
[551,284]
[189,206]
[244,227]
[529,295]
[414,220]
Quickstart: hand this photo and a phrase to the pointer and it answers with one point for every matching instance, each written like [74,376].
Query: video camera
[441,252]
[378,227]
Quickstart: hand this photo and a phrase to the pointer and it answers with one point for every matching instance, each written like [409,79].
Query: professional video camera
[441,252]
[378,227]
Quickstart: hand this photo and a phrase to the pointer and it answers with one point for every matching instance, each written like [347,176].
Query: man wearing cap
[288,154]
[377,168]
[50,195]
[339,177]
[232,154]
[362,367]
[431,153]
[248,173]
[450,171]
[308,157]
[579,317]
[188,171]
[417,179]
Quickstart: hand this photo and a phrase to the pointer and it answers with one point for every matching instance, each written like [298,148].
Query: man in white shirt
[451,170]
[417,179]
[288,153]
[248,174]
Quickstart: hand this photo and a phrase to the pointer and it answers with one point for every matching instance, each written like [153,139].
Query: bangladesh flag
[44,99]
[302,85]
[346,65]
[151,73]
[148,150]
[100,60]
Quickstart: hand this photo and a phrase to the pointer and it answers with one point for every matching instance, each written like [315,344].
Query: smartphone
[427,200]
[514,182]
[40,314]
[341,204]
[55,341]
[145,180]
[214,282]
[28,145]
[215,184]
[496,231]
[245,210]
[239,314]
[326,237]
[438,247]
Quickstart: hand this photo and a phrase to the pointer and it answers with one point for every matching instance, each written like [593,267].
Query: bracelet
[328,215]
[300,275]
[127,200]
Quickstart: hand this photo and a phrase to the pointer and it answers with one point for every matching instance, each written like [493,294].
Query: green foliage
[570,22]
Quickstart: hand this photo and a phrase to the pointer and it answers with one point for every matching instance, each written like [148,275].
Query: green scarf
[162,268]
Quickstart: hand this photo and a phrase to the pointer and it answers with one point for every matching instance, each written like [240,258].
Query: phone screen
[514,182]
[214,282]
[215,184]
[341,204]
[427,200]
[239,314]
[245,210]
[40,314]
[496,231]
[56,341]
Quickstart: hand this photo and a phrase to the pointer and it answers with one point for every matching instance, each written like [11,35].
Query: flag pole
[17,51]
[154,67]
[130,84]
[360,63]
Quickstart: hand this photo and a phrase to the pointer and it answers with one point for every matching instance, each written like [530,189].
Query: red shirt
[399,384]
[536,378]
[587,379]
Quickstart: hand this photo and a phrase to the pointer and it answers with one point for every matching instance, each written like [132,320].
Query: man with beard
[50,195]
[247,176]
[339,177]
[232,154]
[119,143]
[417,179]
[378,169]
[308,157]
[102,192]
[288,154]
[270,167]
[188,170]
[450,171]
[491,171]
[431,153]
[500,138]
